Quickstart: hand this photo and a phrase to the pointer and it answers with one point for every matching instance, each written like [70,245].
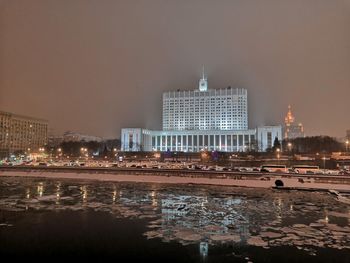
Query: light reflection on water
[204,216]
[84,193]
[58,192]
[40,189]
[28,193]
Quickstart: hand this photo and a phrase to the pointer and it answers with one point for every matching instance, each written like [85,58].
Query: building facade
[265,136]
[20,133]
[213,109]
[259,139]
[291,129]
[203,119]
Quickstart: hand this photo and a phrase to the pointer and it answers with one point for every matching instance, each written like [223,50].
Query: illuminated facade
[203,119]
[137,139]
[292,130]
[21,133]
[203,109]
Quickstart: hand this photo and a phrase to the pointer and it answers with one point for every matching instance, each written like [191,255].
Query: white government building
[203,119]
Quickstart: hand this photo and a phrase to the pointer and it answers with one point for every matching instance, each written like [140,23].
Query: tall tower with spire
[291,129]
[203,82]
[289,119]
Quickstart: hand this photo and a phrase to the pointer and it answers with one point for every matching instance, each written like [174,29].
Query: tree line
[313,144]
[74,148]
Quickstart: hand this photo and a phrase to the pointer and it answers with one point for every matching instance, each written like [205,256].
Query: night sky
[97,66]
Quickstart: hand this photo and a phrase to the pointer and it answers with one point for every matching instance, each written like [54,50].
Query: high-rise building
[20,133]
[203,119]
[348,134]
[291,129]
[203,109]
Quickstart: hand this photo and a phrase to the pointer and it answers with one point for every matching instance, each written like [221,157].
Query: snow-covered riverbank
[263,182]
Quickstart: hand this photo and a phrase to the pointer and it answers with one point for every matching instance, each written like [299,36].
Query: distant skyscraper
[348,134]
[291,129]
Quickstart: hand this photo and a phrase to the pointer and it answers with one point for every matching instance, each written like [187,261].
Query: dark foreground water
[141,222]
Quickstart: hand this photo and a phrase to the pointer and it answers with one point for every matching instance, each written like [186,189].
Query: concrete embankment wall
[261,180]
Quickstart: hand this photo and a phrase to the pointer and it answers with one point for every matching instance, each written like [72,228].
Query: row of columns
[183,145]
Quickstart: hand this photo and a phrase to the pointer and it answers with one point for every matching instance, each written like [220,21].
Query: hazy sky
[97,66]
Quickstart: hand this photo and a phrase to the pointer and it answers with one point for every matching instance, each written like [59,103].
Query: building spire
[203,82]
[289,119]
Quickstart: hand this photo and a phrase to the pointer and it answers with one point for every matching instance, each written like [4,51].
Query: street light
[289,146]
[278,155]
[59,150]
[84,151]
[347,145]
[324,164]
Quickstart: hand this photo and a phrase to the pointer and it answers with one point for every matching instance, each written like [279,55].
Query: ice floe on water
[188,214]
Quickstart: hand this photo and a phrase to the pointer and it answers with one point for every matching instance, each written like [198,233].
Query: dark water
[139,222]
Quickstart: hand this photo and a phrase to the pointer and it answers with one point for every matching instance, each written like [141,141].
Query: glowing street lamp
[278,154]
[84,151]
[324,164]
[347,145]
[59,150]
[289,146]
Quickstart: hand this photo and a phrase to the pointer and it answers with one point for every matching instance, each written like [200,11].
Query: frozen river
[167,223]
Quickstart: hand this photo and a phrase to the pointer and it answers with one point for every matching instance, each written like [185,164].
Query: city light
[83,150]
[324,163]
[59,150]
[278,154]
[247,161]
